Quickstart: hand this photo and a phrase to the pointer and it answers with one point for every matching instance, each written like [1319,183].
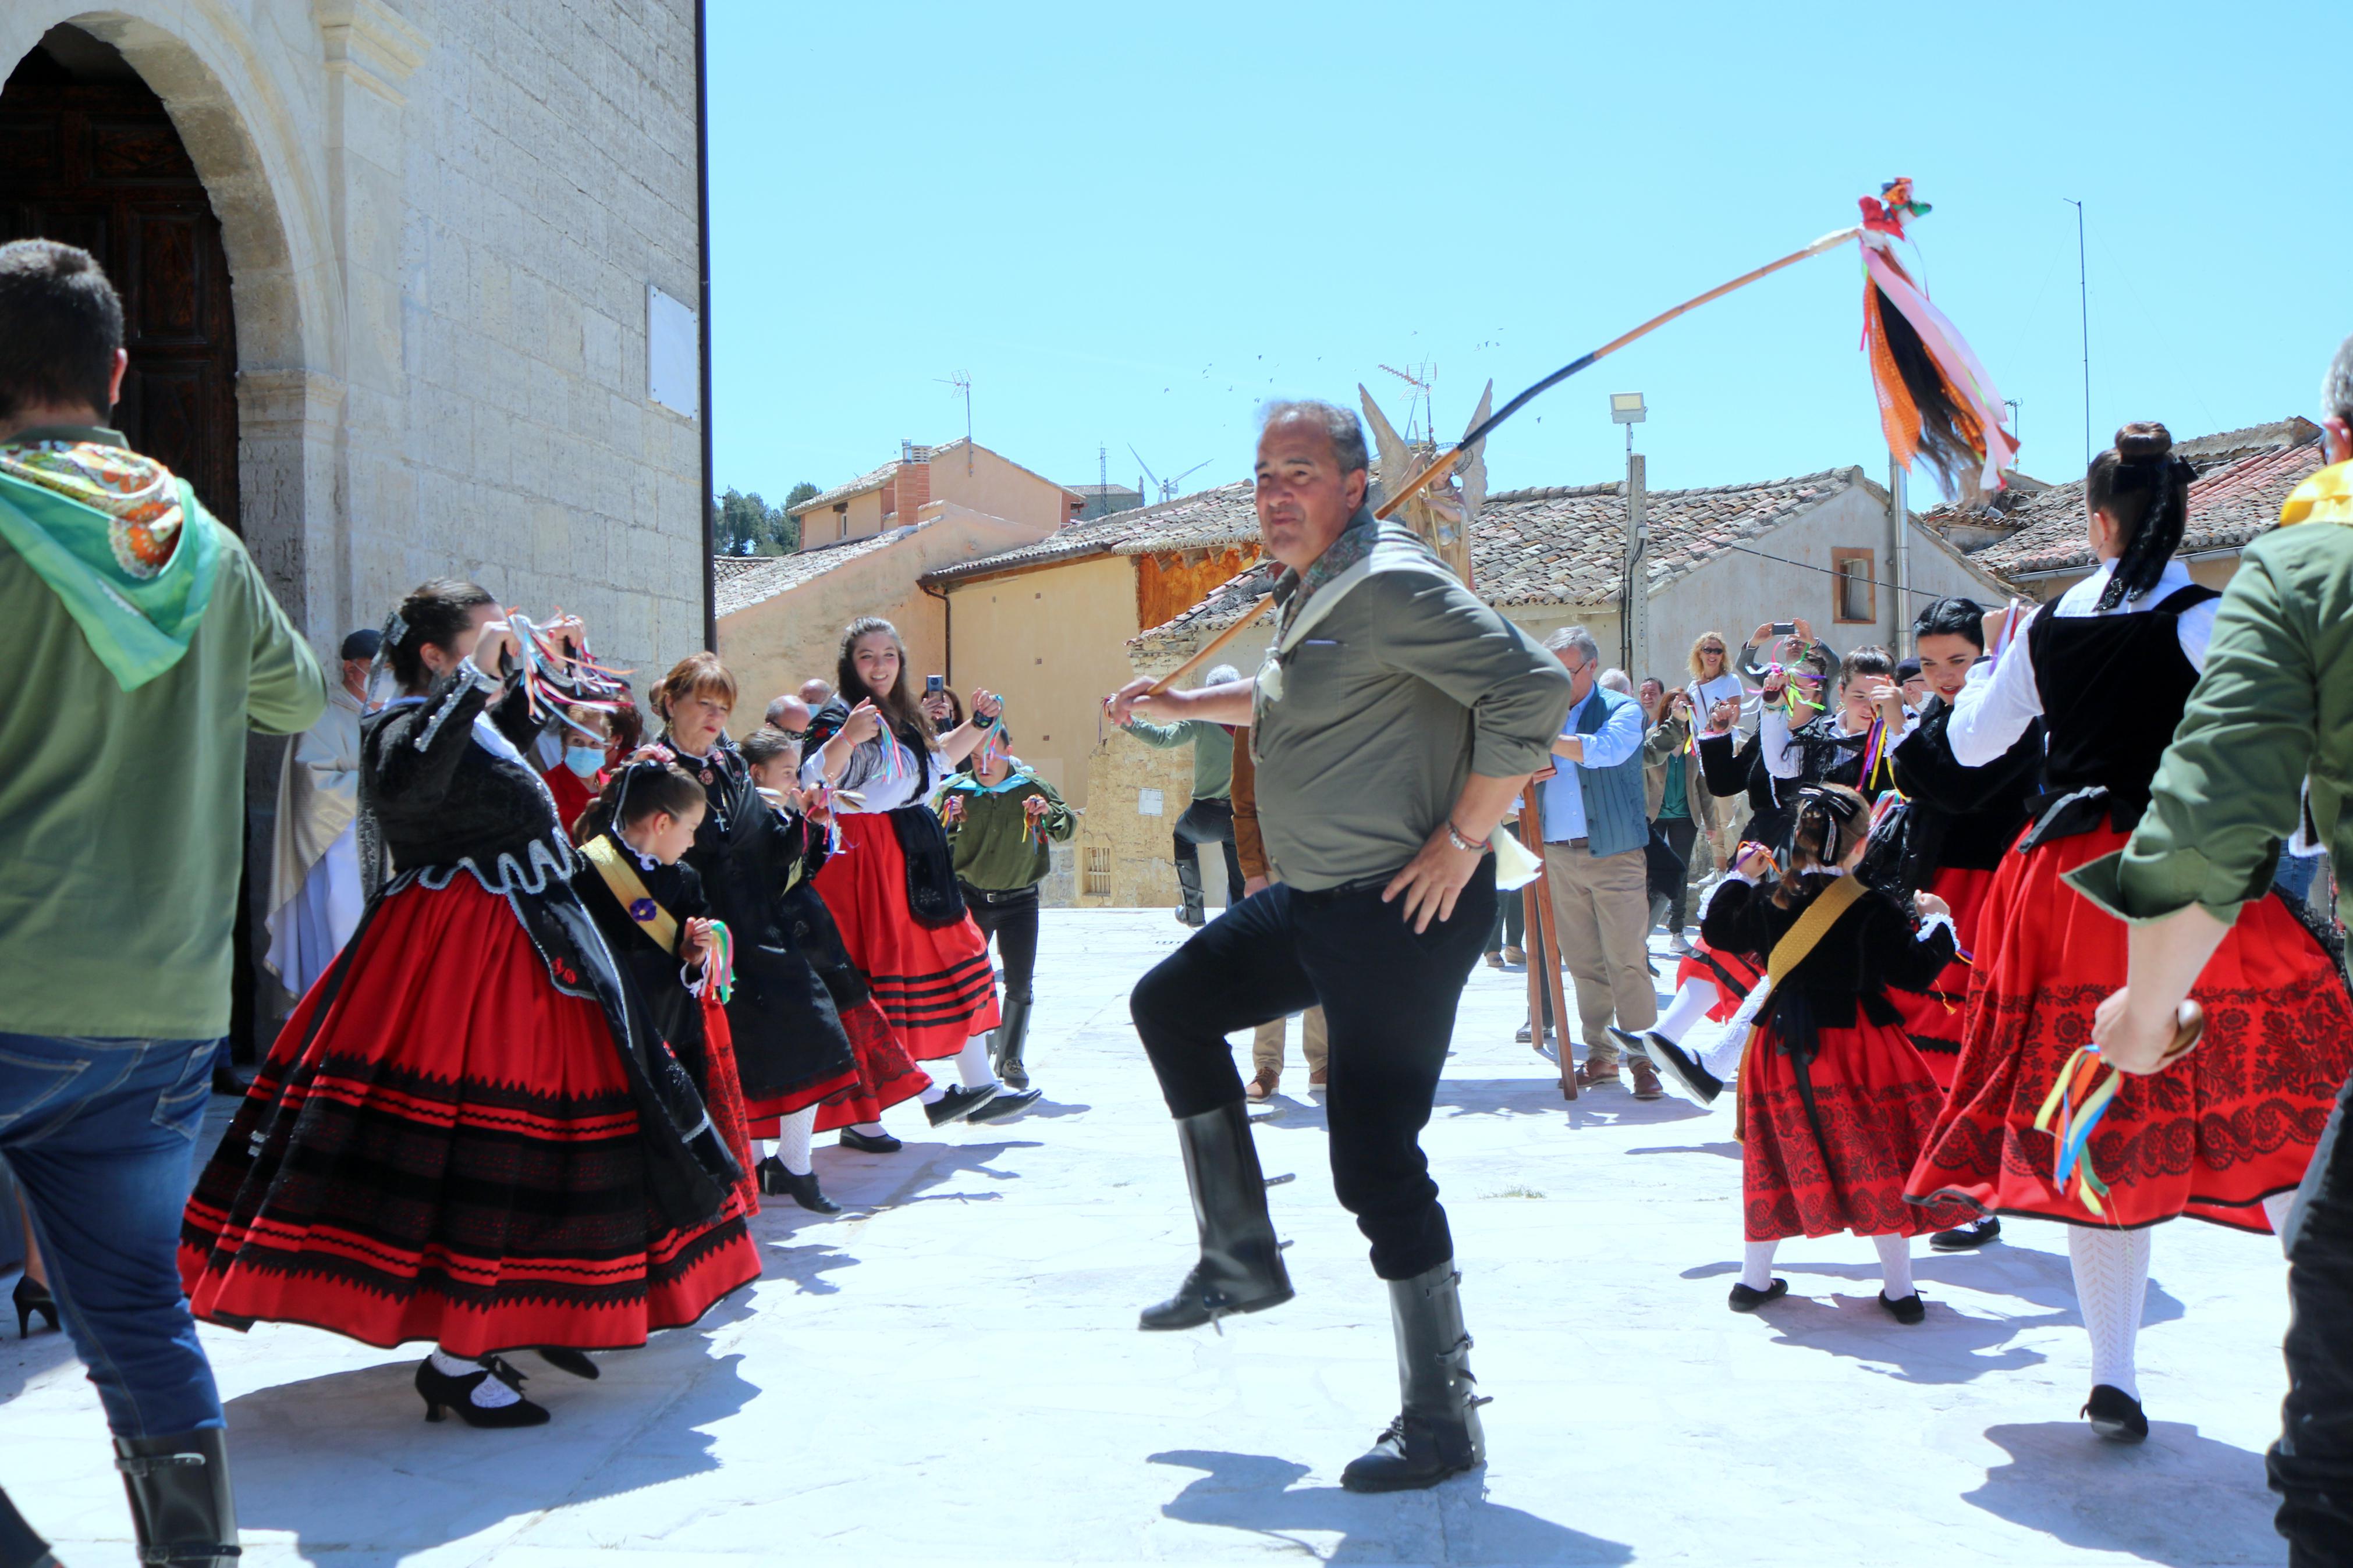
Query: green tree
[750,526]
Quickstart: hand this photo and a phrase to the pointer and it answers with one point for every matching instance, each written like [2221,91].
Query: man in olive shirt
[1394,721]
[2270,724]
[1210,819]
[136,639]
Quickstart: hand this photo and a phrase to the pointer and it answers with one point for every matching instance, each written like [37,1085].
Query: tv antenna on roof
[1421,378]
[960,385]
[1168,488]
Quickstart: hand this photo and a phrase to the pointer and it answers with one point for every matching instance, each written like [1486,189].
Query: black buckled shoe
[443,1392]
[181,1506]
[1437,1434]
[776,1182]
[958,1103]
[2116,1415]
[1241,1268]
[1746,1300]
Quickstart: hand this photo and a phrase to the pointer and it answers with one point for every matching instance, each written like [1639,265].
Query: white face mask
[584,760]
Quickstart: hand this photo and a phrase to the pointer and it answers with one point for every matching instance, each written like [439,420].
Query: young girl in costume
[1835,1101]
[790,1048]
[470,1132]
[887,1075]
[1000,818]
[2225,1133]
[892,887]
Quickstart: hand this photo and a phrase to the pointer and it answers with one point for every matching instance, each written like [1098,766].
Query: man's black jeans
[1012,919]
[1389,997]
[2312,1464]
[1206,821]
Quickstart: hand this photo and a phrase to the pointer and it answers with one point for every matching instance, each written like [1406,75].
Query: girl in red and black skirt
[1835,1103]
[892,887]
[2225,1133]
[470,1131]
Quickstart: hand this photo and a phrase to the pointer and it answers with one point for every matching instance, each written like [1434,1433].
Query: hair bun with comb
[2144,441]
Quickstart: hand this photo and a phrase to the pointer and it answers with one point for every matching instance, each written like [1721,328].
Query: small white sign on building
[673,356]
[1147,802]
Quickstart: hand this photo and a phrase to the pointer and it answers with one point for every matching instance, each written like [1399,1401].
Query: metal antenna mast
[2084,306]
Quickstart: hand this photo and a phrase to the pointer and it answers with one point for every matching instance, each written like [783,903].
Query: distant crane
[1421,378]
[1169,488]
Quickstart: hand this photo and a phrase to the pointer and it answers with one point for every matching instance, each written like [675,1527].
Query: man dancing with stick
[1395,720]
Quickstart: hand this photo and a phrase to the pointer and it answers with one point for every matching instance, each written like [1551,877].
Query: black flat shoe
[1964,1238]
[1905,1310]
[564,1359]
[32,1298]
[1006,1105]
[443,1394]
[775,1182]
[1678,1072]
[958,1103]
[1744,1300]
[869,1143]
[2116,1415]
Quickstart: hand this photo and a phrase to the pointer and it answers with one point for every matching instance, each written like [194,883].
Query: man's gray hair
[2337,386]
[1576,638]
[1615,679]
[1222,675]
[1340,427]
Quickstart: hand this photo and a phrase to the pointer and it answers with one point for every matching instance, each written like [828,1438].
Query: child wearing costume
[999,818]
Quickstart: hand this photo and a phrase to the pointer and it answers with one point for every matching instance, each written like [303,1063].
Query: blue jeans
[100,1134]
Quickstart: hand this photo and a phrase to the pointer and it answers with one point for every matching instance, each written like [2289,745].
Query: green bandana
[138,624]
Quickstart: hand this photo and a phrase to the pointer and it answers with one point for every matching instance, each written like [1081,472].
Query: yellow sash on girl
[622,878]
[1796,943]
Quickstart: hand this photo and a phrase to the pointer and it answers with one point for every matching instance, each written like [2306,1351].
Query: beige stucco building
[961,474]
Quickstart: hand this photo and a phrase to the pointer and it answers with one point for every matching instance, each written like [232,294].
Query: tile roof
[2242,477]
[1562,544]
[1226,515]
[746,580]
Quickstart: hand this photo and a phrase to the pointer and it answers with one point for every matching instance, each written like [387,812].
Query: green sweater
[1213,751]
[2274,705]
[123,813]
[989,833]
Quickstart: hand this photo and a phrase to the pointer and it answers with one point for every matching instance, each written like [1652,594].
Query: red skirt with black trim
[1732,974]
[887,1076]
[722,1087]
[2227,1126]
[1934,1017]
[452,1154]
[1874,1102]
[935,983]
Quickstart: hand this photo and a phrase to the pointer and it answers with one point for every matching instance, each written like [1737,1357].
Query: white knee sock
[1690,1006]
[793,1140]
[972,1063]
[872,1129]
[934,1094]
[1756,1264]
[2111,1284]
[2275,1209]
[1895,1266]
[488,1395]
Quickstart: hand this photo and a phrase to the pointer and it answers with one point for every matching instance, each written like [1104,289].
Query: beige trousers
[1601,914]
[1266,1047]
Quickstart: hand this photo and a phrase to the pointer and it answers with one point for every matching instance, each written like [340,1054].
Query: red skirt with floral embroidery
[2212,1136]
[1873,1103]
[1934,1017]
[935,983]
[448,1149]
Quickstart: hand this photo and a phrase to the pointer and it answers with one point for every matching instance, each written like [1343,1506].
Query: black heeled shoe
[2116,1415]
[776,1182]
[32,1297]
[442,1394]
[563,1358]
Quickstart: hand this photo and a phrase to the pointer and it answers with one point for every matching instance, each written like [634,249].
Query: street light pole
[1634,601]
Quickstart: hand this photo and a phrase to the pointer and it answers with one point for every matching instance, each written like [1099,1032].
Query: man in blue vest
[1595,867]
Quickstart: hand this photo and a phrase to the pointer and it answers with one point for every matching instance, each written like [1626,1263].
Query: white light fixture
[1626,408]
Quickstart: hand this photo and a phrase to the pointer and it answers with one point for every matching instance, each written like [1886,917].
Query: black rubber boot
[21,1545]
[1195,909]
[180,1503]
[1437,1434]
[1240,1269]
[1012,1035]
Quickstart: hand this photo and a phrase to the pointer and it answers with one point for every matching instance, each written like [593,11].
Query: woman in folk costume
[1835,1103]
[887,1075]
[650,908]
[2226,1133]
[790,1046]
[470,1132]
[315,895]
[891,886]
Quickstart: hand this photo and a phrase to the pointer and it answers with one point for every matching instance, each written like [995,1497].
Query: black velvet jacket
[658,975]
[1873,947]
[1728,771]
[1960,816]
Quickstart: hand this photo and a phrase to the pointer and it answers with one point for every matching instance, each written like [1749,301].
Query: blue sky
[1130,225]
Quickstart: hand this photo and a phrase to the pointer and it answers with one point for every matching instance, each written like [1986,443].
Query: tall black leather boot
[1240,1269]
[1194,911]
[1006,1042]
[180,1502]
[21,1545]
[1436,1434]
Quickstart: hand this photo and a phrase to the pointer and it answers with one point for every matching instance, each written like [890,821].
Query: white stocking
[872,1129]
[972,1063]
[1690,1007]
[2111,1284]
[1756,1264]
[793,1140]
[933,1095]
[1895,1266]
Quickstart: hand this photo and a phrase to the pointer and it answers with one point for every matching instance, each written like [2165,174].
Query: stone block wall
[1118,839]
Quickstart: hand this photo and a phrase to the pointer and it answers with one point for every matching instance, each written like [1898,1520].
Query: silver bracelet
[1455,838]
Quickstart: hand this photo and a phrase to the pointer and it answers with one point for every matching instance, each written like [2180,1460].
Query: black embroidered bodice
[2113,689]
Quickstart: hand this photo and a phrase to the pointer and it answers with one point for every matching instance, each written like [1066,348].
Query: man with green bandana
[136,641]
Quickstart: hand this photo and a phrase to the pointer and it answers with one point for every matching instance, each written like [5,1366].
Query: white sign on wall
[673,357]
[1147,802]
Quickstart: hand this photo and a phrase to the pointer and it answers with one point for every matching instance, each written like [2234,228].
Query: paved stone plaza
[949,1372]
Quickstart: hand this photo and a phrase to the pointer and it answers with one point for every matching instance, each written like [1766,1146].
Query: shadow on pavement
[1449,1524]
[2179,1499]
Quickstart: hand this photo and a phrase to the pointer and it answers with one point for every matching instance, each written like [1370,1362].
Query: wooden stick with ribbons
[1445,463]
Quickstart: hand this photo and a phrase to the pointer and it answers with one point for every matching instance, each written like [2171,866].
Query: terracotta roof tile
[743,581]
[1226,515]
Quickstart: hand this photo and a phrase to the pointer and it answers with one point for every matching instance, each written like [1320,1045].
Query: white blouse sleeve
[1993,710]
[1783,758]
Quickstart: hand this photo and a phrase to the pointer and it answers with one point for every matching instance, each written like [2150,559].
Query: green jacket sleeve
[285,691]
[2227,792]
[1517,693]
[1060,820]
[1162,737]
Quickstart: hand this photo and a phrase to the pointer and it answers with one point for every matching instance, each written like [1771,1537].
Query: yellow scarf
[630,889]
[2326,496]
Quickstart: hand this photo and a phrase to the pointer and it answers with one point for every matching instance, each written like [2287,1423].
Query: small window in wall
[1098,878]
[1853,581]
[841,521]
